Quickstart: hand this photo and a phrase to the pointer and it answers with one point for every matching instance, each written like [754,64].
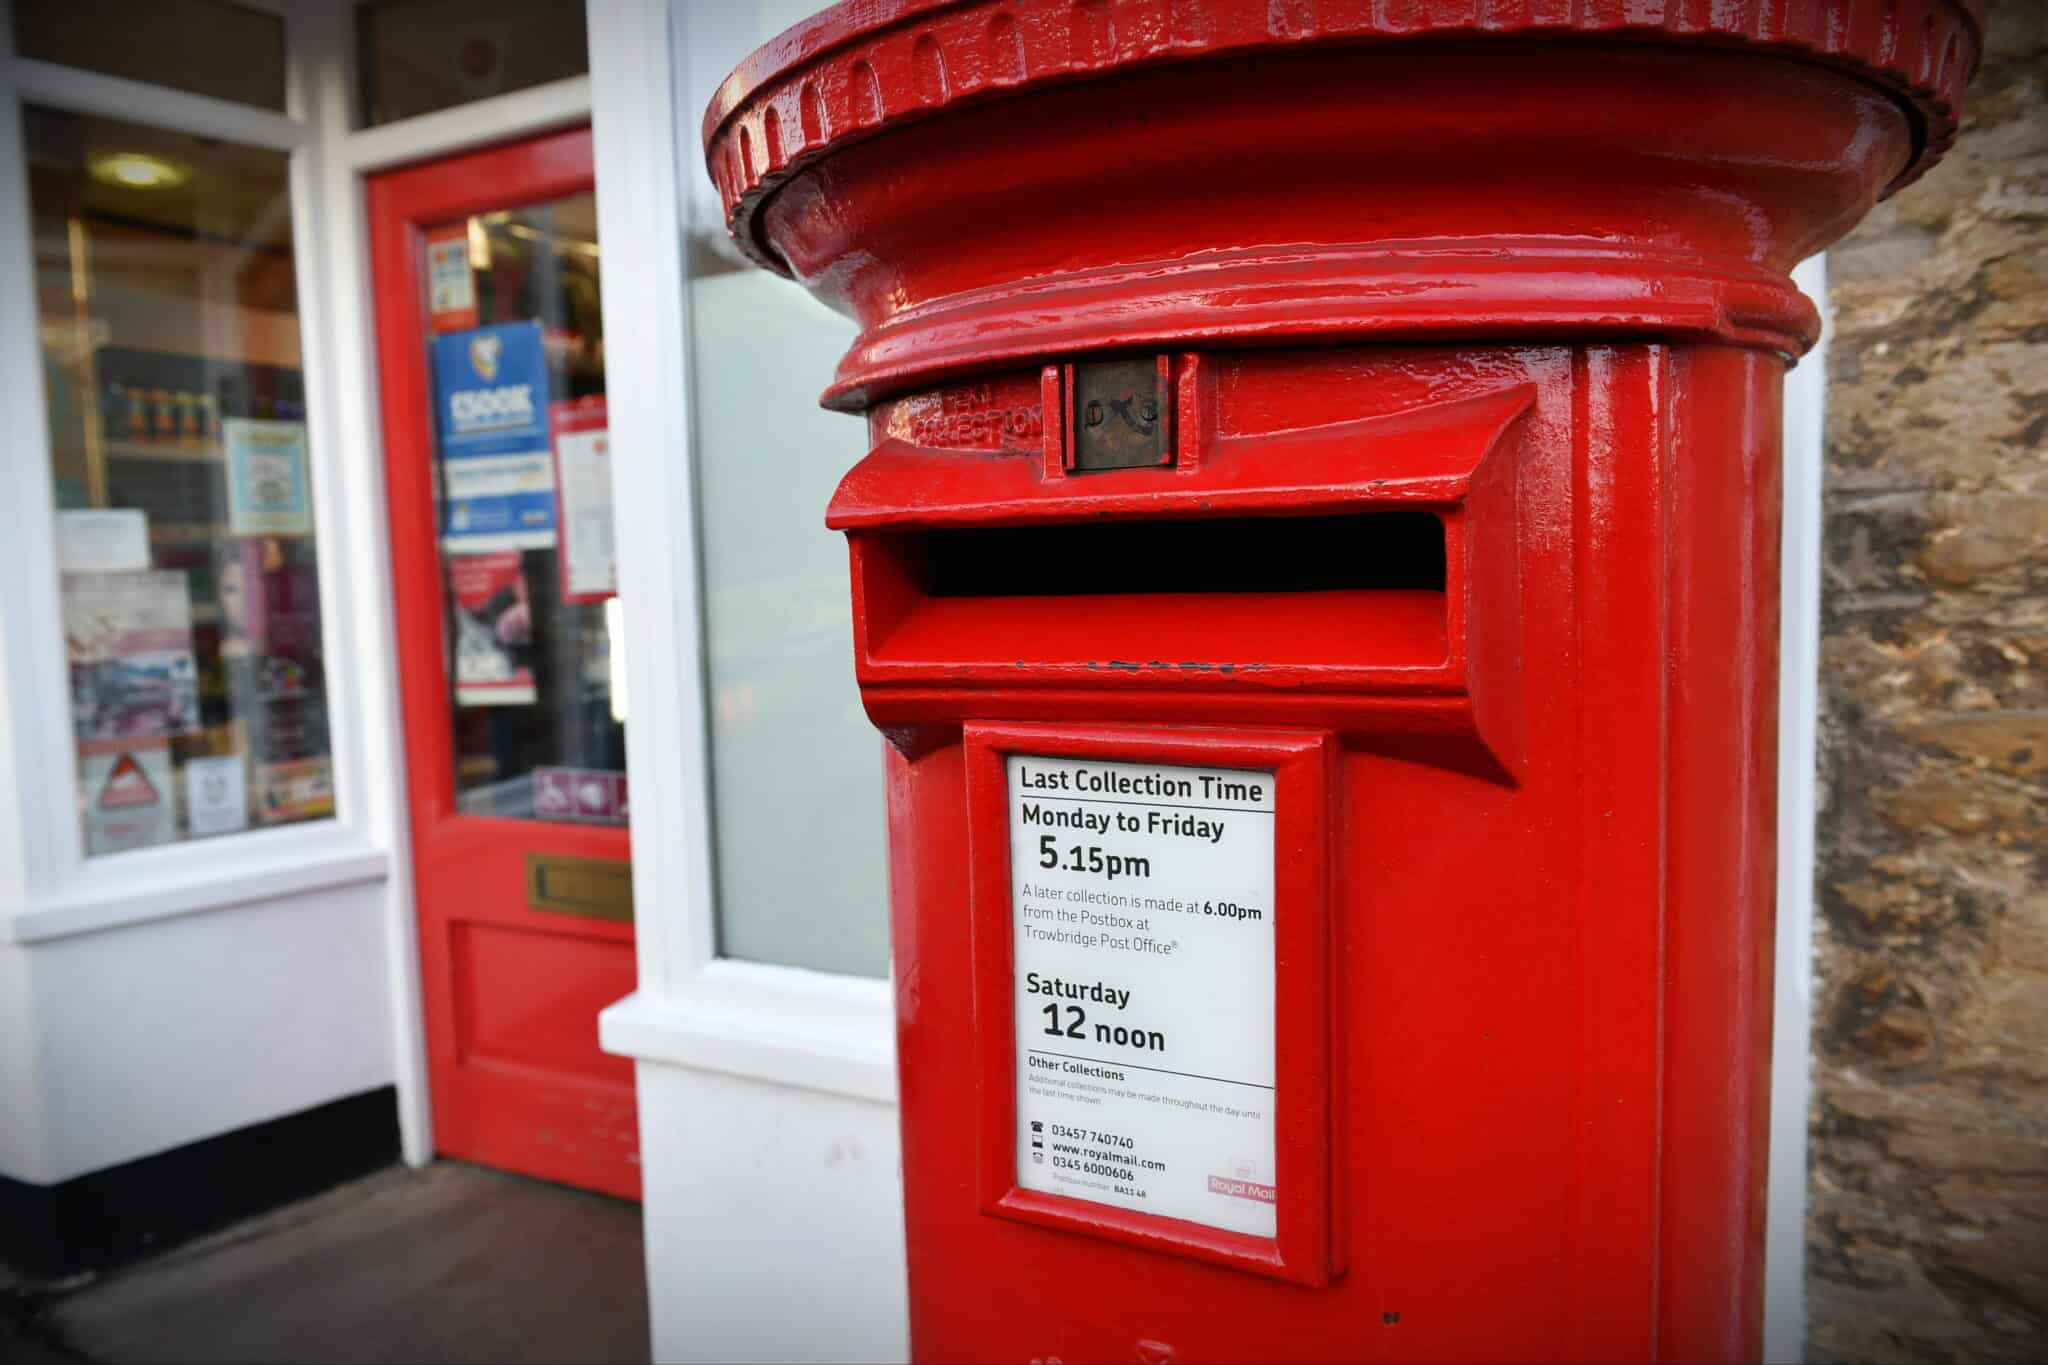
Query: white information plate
[1141,901]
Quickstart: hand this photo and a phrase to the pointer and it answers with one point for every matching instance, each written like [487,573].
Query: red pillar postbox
[1317,571]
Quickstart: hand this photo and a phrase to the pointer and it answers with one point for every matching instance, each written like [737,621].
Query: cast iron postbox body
[1317,571]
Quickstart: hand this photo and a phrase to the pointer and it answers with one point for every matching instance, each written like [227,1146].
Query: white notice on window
[216,795]
[584,478]
[1142,918]
[102,540]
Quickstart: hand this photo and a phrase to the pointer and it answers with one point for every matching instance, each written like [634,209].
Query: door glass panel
[523,489]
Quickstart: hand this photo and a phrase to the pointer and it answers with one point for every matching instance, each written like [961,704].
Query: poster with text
[493,630]
[583,484]
[128,639]
[269,490]
[269,596]
[298,789]
[490,411]
[1144,956]
[216,795]
[102,540]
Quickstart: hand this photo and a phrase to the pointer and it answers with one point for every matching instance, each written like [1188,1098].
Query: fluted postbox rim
[865,67]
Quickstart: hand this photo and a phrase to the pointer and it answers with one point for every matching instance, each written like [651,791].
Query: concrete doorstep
[448,1264]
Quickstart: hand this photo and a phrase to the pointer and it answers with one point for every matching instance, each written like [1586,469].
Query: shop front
[322,626]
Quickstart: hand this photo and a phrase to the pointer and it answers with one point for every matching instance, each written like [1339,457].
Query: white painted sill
[784,1025]
[123,889]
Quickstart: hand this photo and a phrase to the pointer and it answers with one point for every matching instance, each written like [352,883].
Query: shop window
[801,867]
[206,47]
[184,506]
[417,56]
[800,861]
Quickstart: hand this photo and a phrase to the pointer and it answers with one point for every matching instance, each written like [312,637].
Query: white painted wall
[23,1149]
[774,1221]
[164,996]
[154,1035]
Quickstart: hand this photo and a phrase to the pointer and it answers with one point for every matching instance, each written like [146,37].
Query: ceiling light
[139,171]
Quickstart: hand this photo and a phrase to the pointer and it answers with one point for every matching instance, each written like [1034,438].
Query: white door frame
[336,201]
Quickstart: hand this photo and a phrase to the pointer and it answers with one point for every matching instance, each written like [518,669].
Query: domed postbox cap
[861,73]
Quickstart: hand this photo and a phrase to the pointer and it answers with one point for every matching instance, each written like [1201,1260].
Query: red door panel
[503,672]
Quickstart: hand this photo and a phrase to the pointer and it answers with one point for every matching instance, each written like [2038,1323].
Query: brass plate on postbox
[1121,413]
[600,888]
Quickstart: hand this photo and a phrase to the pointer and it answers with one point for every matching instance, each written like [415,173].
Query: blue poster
[491,411]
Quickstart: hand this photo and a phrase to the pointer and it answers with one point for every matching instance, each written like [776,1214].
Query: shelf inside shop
[185,532]
[197,451]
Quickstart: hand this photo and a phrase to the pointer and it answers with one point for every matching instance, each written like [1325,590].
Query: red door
[490,343]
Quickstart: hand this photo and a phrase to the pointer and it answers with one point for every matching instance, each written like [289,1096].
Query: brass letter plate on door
[598,887]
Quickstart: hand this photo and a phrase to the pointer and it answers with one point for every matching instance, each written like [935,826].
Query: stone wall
[1928,1225]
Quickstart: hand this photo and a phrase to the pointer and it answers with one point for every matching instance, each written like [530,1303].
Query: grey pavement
[448,1264]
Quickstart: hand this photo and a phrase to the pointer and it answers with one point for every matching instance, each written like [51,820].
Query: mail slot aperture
[1368,552]
[1363,569]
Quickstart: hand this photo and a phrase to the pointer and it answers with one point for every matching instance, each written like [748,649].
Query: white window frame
[60,890]
[792,1026]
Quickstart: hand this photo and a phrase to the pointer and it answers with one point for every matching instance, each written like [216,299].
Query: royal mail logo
[1242,1189]
[484,349]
